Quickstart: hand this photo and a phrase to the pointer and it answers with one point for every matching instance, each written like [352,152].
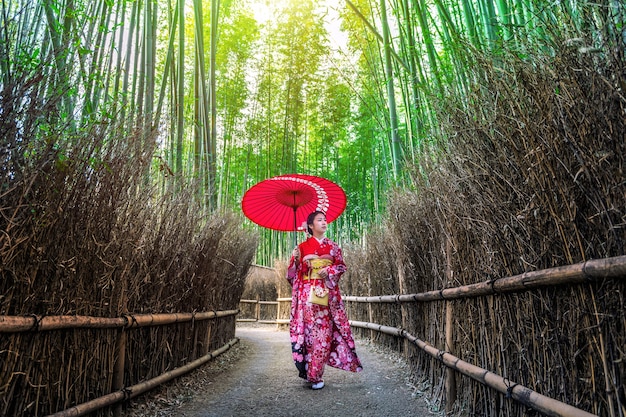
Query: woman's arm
[294,266]
[337,268]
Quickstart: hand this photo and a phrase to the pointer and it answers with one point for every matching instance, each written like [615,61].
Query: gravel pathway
[262,381]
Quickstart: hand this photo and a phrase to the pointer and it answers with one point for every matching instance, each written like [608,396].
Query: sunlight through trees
[238,91]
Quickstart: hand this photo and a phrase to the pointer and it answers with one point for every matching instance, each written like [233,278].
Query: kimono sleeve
[292,270]
[337,268]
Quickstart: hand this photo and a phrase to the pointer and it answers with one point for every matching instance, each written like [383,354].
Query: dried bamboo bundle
[532,179]
[85,235]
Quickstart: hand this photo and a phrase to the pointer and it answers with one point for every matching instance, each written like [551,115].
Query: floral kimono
[320,334]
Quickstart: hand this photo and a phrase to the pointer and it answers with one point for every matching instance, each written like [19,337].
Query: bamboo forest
[474,140]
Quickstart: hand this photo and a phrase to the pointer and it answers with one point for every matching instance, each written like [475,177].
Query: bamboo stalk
[142,320]
[120,363]
[136,390]
[600,346]
[207,339]
[450,381]
[16,324]
[526,396]
[571,274]
[378,35]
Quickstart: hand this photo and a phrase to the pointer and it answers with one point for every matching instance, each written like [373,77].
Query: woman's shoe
[318,385]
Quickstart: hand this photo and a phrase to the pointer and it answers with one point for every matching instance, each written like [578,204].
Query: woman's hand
[323,273]
[296,254]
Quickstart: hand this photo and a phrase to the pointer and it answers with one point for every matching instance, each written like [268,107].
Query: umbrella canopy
[283,202]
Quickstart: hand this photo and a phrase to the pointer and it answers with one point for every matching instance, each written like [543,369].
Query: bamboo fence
[15,325]
[262,314]
[586,272]
[138,389]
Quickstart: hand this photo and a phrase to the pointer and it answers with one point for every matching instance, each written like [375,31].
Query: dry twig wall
[532,178]
[83,232]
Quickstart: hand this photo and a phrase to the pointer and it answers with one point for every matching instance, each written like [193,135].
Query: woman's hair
[311,218]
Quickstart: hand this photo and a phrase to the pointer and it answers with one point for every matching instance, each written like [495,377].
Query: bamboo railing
[570,274]
[258,314]
[136,390]
[34,323]
[596,269]
[511,389]
[16,324]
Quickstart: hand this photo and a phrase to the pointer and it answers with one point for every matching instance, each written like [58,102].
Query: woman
[320,334]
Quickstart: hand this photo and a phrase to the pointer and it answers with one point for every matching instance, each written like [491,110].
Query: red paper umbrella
[285,201]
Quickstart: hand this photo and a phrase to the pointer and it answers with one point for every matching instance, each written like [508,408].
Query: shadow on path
[264,382]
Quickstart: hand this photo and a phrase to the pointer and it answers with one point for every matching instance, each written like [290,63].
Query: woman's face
[319,225]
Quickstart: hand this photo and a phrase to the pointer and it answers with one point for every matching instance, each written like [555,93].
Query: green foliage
[287,98]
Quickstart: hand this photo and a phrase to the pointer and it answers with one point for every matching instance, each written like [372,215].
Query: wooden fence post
[118,370]
[450,381]
[120,361]
[209,330]
[370,314]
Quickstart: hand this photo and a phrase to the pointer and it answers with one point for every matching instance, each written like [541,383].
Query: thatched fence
[207,334]
[529,177]
[98,244]
[587,272]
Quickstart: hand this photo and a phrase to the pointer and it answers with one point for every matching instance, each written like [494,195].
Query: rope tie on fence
[441,294]
[37,321]
[509,387]
[491,283]
[440,354]
[127,393]
[133,320]
[584,271]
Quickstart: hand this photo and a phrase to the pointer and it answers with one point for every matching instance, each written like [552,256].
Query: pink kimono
[320,335]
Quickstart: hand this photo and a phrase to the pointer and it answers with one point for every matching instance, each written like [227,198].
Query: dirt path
[263,382]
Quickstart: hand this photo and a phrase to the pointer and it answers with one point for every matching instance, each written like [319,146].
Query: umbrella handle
[295,226]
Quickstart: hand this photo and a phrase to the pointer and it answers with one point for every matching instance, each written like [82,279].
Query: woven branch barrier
[138,389]
[34,323]
[16,324]
[585,272]
[571,274]
[526,396]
